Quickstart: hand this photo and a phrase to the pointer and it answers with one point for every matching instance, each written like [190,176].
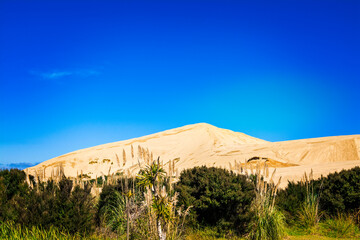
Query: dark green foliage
[290,200]
[14,192]
[47,204]
[338,192]
[341,192]
[108,195]
[218,197]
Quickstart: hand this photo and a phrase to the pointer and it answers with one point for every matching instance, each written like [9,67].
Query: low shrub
[47,204]
[219,198]
[340,192]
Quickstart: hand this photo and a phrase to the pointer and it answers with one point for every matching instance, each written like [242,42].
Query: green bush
[47,204]
[290,200]
[338,192]
[341,192]
[14,192]
[218,197]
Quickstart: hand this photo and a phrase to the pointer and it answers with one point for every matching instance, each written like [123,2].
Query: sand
[204,144]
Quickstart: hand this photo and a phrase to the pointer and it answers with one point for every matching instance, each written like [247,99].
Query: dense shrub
[291,199]
[218,197]
[338,192]
[46,204]
[13,194]
[341,192]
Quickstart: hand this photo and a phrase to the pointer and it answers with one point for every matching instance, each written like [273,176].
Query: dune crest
[204,144]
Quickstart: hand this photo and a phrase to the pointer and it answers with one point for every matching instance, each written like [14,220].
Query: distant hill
[204,144]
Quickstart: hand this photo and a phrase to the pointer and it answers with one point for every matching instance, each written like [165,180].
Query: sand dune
[204,144]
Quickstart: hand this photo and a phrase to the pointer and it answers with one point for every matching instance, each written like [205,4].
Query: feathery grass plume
[139,163]
[44,174]
[109,172]
[143,153]
[174,164]
[62,172]
[132,151]
[113,178]
[245,168]
[311,175]
[147,155]
[78,178]
[152,157]
[177,173]
[139,152]
[144,156]
[267,222]
[57,171]
[257,169]
[230,166]
[272,176]
[27,177]
[309,213]
[170,166]
[103,179]
[118,160]
[251,168]
[35,175]
[124,157]
[266,170]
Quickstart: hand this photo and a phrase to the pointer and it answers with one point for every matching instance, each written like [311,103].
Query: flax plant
[164,218]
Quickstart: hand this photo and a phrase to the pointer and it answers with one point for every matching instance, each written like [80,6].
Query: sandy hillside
[204,144]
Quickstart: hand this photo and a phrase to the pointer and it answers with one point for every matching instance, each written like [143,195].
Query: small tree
[161,201]
[151,178]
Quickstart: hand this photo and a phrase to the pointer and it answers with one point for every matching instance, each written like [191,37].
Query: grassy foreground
[11,231]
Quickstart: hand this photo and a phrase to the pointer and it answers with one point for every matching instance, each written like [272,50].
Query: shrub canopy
[218,197]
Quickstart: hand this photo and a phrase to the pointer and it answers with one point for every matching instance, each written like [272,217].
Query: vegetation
[267,221]
[219,198]
[205,203]
[339,227]
[339,192]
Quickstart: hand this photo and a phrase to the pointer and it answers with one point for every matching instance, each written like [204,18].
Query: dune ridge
[204,144]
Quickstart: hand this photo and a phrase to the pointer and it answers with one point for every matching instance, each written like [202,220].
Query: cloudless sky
[74,74]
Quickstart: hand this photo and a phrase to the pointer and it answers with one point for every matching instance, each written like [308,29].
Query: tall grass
[115,213]
[268,223]
[12,231]
[340,227]
[309,213]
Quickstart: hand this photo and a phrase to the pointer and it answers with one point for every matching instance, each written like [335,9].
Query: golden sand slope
[204,144]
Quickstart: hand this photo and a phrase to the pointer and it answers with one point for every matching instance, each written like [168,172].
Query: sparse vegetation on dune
[205,203]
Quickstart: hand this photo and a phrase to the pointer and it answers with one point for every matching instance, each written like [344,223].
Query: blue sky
[74,74]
